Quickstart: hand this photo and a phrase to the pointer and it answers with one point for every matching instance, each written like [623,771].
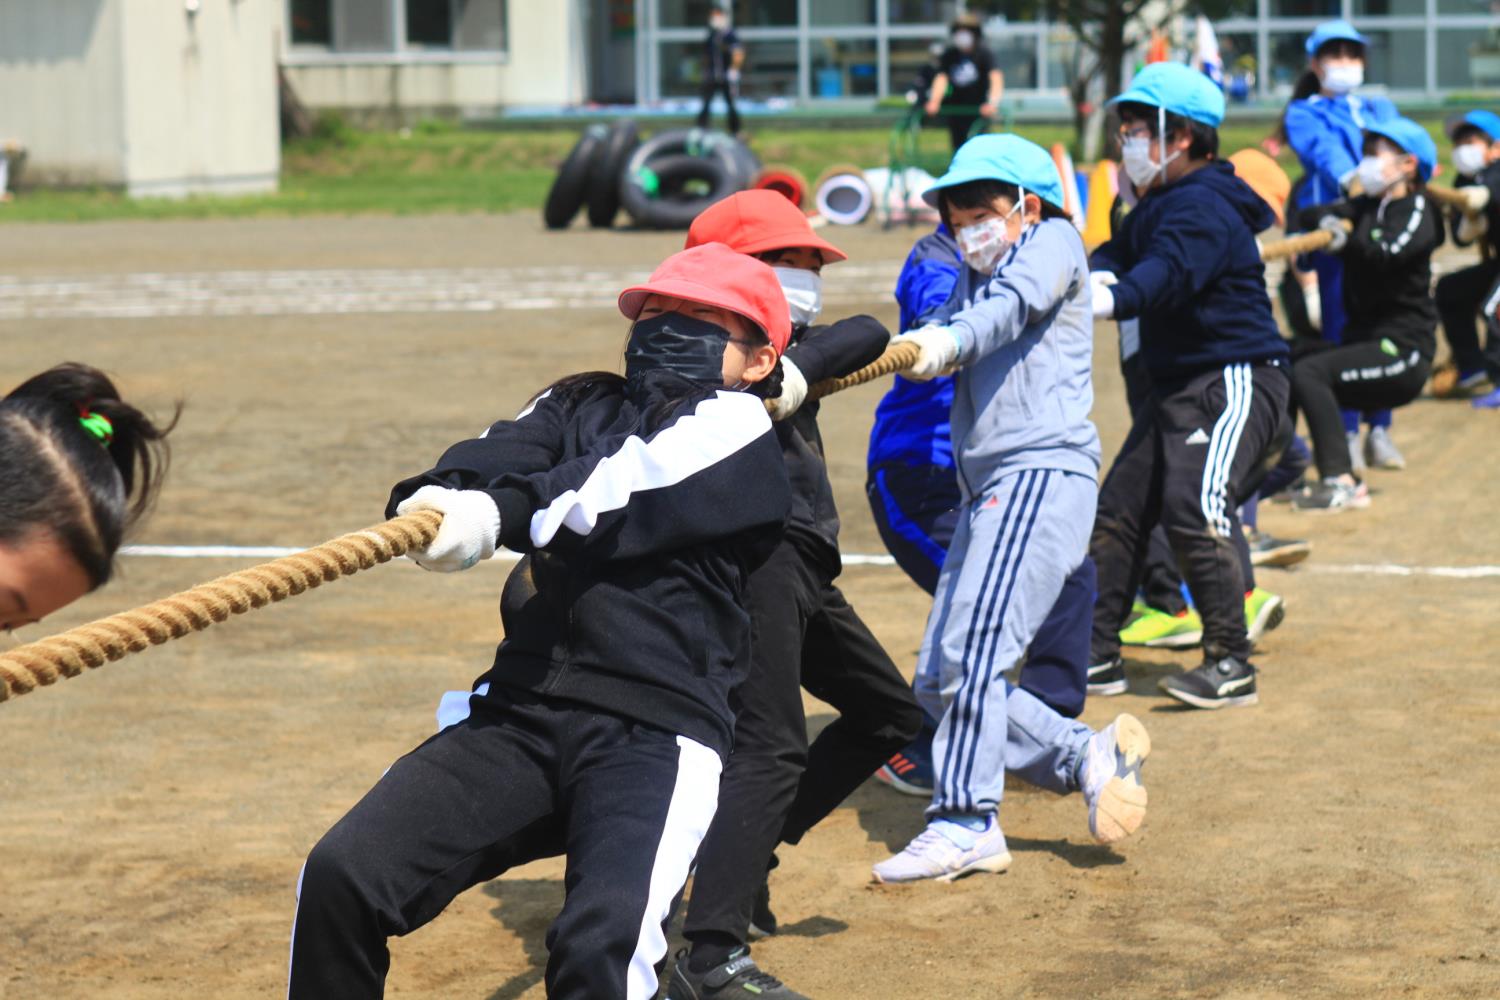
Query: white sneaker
[1112,779]
[1381,452]
[1356,453]
[947,850]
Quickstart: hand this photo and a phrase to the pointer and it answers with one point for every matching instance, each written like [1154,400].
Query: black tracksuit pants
[1358,376]
[1184,464]
[519,779]
[1459,297]
[711,87]
[775,787]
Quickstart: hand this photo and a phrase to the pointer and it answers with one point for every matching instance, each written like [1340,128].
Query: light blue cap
[1007,158]
[1333,31]
[1180,90]
[1486,121]
[1411,137]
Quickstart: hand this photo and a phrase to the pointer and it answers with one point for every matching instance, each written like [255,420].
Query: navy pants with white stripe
[515,781]
[1014,547]
[1184,465]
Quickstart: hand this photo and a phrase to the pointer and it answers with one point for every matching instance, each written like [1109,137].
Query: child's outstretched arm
[1039,276]
[1187,249]
[712,471]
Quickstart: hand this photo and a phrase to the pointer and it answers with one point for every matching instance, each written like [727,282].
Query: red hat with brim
[715,275]
[758,221]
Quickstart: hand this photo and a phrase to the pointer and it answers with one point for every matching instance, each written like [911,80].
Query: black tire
[570,186]
[653,194]
[738,162]
[604,179]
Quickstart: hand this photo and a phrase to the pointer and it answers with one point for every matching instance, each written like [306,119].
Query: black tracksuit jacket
[821,352]
[1388,268]
[643,506]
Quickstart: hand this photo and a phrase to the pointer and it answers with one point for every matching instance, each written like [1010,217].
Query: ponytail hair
[64,470]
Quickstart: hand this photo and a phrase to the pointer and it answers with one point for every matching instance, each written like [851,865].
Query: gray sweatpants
[1010,554]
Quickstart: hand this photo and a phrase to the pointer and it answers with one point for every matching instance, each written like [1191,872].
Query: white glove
[1471,227]
[1333,224]
[1312,299]
[1104,300]
[793,391]
[471,526]
[1476,197]
[732,75]
[1103,278]
[939,346]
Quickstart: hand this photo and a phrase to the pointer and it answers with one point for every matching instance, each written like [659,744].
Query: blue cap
[1333,31]
[1411,137]
[1486,121]
[1180,90]
[1007,158]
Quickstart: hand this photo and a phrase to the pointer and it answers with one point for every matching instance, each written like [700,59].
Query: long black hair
[87,488]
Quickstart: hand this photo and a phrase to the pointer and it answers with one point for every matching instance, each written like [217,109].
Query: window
[747,13]
[845,67]
[362,26]
[479,26]
[429,23]
[1389,8]
[311,22]
[1468,58]
[853,13]
[1397,58]
[921,11]
[1304,8]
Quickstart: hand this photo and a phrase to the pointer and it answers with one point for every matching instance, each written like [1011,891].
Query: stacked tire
[662,183]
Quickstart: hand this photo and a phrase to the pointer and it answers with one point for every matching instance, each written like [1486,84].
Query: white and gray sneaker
[1214,684]
[947,850]
[1356,453]
[1111,779]
[1332,496]
[1381,452]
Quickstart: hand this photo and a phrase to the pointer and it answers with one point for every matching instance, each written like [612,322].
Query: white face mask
[1343,78]
[1135,155]
[1469,158]
[984,243]
[1375,173]
[804,293]
[718,21]
[963,41]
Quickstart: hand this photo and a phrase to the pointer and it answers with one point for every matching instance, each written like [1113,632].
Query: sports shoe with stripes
[1111,779]
[737,979]
[1214,684]
[947,850]
[909,771]
[1108,677]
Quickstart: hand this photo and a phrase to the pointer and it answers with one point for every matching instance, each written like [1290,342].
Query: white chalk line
[849,558]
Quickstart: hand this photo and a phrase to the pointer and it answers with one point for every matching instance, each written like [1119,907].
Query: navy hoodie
[1190,270]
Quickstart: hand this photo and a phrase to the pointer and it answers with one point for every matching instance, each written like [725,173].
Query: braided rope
[46,661]
[897,358]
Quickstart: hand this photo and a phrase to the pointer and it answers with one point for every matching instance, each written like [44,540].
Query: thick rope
[46,661]
[897,358]
[1294,245]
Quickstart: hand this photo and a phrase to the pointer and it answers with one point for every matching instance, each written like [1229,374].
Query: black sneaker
[1268,550]
[737,979]
[1108,677]
[1215,684]
[762,920]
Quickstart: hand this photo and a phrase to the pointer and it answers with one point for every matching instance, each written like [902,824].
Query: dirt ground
[1337,840]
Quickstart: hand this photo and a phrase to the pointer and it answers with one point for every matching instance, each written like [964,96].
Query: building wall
[60,73]
[201,106]
[543,64]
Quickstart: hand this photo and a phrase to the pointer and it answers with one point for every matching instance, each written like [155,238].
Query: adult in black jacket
[1390,330]
[643,505]
[805,635]
[967,79]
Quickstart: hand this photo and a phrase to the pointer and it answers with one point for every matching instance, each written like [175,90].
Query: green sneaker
[1160,630]
[1263,612]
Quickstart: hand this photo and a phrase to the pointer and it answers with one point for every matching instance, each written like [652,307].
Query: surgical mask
[1374,174]
[1135,155]
[984,243]
[718,21]
[1343,78]
[804,293]
[963,41]
[675,342]
[1469,158]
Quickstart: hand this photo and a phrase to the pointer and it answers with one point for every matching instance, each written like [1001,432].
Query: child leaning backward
[1186,265]
[643,504]
[1391,331]
[805,635]
[1028,460]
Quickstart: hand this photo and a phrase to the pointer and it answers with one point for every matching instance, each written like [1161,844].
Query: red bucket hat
[715,275]
[757,221]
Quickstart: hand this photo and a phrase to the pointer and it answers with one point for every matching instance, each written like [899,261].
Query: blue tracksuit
[1327,134]
[913,488]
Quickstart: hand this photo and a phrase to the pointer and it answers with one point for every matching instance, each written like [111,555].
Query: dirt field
[1337,840]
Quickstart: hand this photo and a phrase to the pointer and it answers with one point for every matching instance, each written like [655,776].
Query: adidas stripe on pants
[1014,547]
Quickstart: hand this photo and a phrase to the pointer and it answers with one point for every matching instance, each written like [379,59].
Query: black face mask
[693,348]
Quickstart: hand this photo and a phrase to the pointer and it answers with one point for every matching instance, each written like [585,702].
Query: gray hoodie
[1024,390]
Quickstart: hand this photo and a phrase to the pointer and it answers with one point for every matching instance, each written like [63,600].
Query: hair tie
[97,424]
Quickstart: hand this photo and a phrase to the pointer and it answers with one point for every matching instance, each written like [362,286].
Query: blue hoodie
[1190,270]
[1327,134]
